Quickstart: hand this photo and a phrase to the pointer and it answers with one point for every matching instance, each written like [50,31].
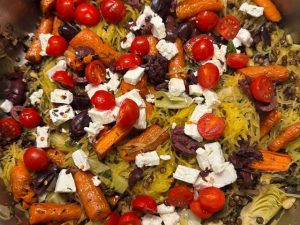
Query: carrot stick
[152,43]
[57,157]
[269,122]
[290,134]
[177,64]
[149,110]
[48,212]
[141,85]
[270,10]
[93,200]
[56,24]
[47,5]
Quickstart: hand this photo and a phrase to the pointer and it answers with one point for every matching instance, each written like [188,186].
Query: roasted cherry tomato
[262,89]
[197,209]
[103,100]
[140,46]
[237,60]
[128,61]
[203,49]
[208,75]
[64,78]
[57,45]
[128,114]
[206,20]
[144,204]
[211,199]
[210,126]
[113,11]
[87,14]
[180,196]
[228,27]
[95,72]
[30,118]
[9,128]
[65,9]
[112,219]
[130,218]
[36,159]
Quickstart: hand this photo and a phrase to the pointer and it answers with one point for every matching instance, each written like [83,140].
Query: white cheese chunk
[191,130]
[93,130]
[133,95]
[205,183]
[211,98]
[65,182]
[96,180]
[195,90]
[127,42]
[44,38]
[61,65]
[236,42]
[244,37]
[150,98]
[61,96]
[149,219]
[167,49]
[81,160]
[220,53]
[141,20]
[114,81]
[202,158]
[198,112]
[218,64]
[198,100]
[35,97]
[42,137]
[158,30]
[164,209]
[6,106]
[186,174]
[215,156]
[147,159]
[176,86]
[170,218]
[252,10]
[174,125]
[61,114]
[133,76]
[103,116]
[165,157]
[141,123]
[91,89]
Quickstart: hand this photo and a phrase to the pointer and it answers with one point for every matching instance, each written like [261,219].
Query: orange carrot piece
[270,10]
[149,109]
[57,157]
[269,122]
[141,85]
[177,64]
[152,43]
[56,24]
[47,5]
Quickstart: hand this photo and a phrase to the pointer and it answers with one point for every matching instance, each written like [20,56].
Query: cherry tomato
[103,100]
[262,89]
[144,204]
[211,199]
[208,75]
[29,118]
[210,126]
[9,128]
[64,78]
[128,61]
[237,60]
[57,45]
[128,114]
[113,11]
[197,209]
[65,9]
[228,27]
[130,218]
[87,14]
[95,72]
[36,159]
[112,219]
[188,46]
[206,20]
[180,196]
[140,46]
[203,49]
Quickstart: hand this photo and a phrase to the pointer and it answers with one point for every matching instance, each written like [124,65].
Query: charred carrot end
[57,157]
[149,110]
[152,43]
[269,122]
[177,64]
[47,5]
[270,10]
[56,24]
[274,72]
[141,85]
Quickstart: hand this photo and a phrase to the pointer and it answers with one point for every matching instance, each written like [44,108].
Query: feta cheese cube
[198,100]
[93,130]
[244,36]
[81,160]
[6,106]
[114,82]
[196,90]
[167,49]
[91,89]
[61,65]
[170,218]
[65,182]
[61,114]
[202,158]
[44,38]
[208,182]
[158,30]
[176,86]
[252,10]
[150,98]
[141,123]
[215,156]
[141,20]
[96,180]
[42,137]
[220,53]
[35,97]
[103,116]
[236,42]
[198,112]
[163,209]
[186,174]
[61,96]
[127,42]
[147,159]
[211,98]
[191,130]
[218,64]
[133,76]
[133,95]
[149,219]
[165,157]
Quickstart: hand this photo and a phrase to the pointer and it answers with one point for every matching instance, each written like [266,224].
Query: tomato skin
[30,118]
[95,72]
[211,199]
[211,127]
[130,218]
[206,20]
[203,49]
[180,196]
[87,14]
[128,114]
[144,204]
[237,60]
[208,75]
[197,209]
[113,11]
[140,46]
[112,219]
[9,128]
[128,61]
[65,9]
[262,89]
[57,45]
[103,100]
[228,27]
[36,159]
[64,78]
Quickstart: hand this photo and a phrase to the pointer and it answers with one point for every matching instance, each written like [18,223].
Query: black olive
[171,29]
[266,35]
[161,7]
[184,31]
[134,176]
[16,92]
[82,52]
[68,31]
[81,101]
[78,124]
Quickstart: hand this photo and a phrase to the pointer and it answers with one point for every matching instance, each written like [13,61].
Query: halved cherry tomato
[144,204]
[36,159]
[112,219]
[57,45]
[237,60]
[95,72]
[87,14]
[103,100]
[208,75]
[206,20]
[228,27]
[203,49]
[65,9]
[29,118]
[211,199]
[113,11]
[130,218]
[9,128]
[262,89]
[180,196]
[197,209]
[128,61]
[210,126]
[64,78]
[128,114]
[140,46]
[188,46]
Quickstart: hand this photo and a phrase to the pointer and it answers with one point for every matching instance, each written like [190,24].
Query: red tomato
[130,218]
[228,27]
[203,49]
[65,9]
[208,75]
[87,14]
[128,114]
[113,11]
[30,118]
[64,78]
[112,219]
[237,60]
[262,89]
[211,199]
[206,20]
[210,126]
[128,61]
[180,196]
[103,100]
[197,209]
[144,204]
[95,72]
[9,128]
[140,46]
[36,159]
[57,45]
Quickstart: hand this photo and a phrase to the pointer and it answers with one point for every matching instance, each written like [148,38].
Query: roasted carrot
[92,198]
[177,64]
[33,53]
[57,157]
[152,43]
[270,10]
[269,122]
[149,110]
[56,24]
[274,72]
[141,85]
[272,161]
[290,134]
[47,5]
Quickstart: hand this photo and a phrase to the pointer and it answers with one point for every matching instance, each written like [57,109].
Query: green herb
[230,48]
[293,181]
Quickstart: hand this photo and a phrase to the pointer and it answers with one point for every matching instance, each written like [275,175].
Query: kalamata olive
[161,7]
[269,107]
[265,35]
[134,176]
[135,4]
[16,92]
[78,124]
[15,76]
[68,31]
[82,52]
[81,101]
[171,29]
[184,31]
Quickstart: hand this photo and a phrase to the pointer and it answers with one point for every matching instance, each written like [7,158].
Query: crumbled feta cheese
[133,95]
[35,97]
[198,100]
[149,219]
[198,112]
[252,10]
[6,106]
[96,180]
[244,36]
[127,42]
[186,174]
[165,157]
[93,130]
[133,76]
[220,53]
[202,158]
[215,156]
[114,82]
[81,160]
[158,30]
[61,65]
[191,130]
[163,209]
[147,159]
[65,182]
[236,42]
[61,96]
[61,114]
[208,182]
[211,98]
[44,38]
[167,49]
[218,64]
[141,123]
[174,125]
[91,89]
[176,86]
[42,137]
[170,218]
[141,20]
[196,90]
[150,98]
[103,116]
